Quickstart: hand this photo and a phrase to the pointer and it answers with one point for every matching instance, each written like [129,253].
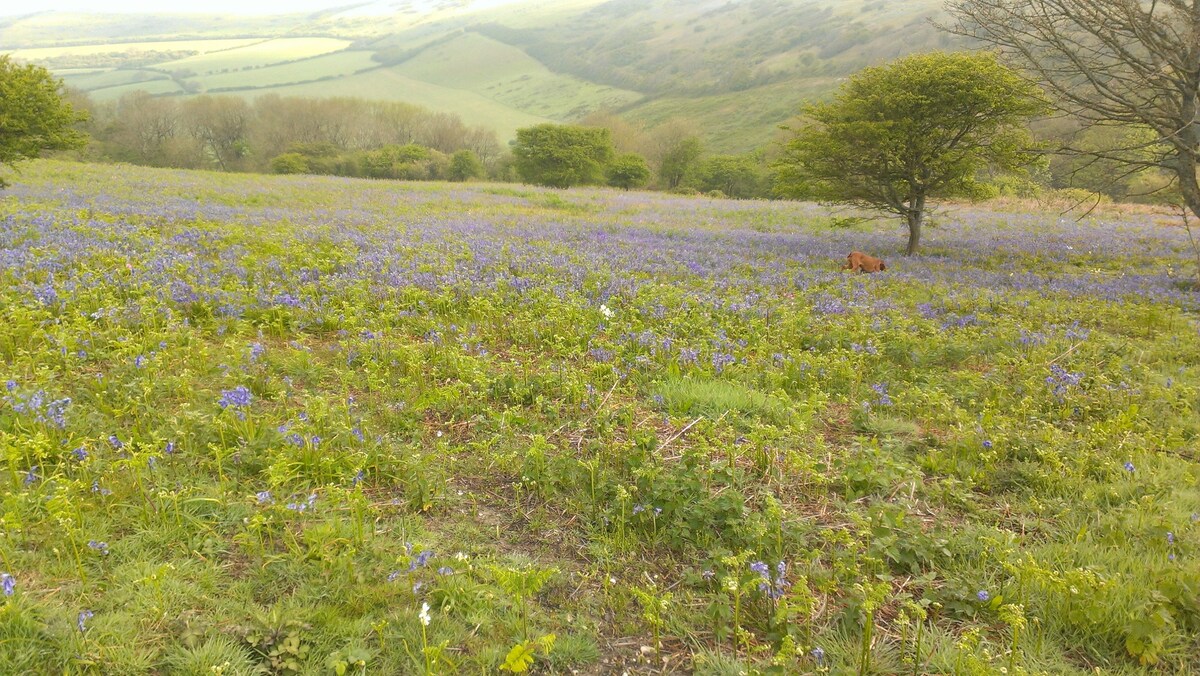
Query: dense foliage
[921,127]
[317,425]
[561,155]
[33,116]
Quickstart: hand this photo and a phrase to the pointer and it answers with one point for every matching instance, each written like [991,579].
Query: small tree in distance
[33,115]
[464,166]
[921,127]
[627,171]
[560,156]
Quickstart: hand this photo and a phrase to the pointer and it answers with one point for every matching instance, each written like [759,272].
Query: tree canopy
[1128,63]
[922,127]
[33,115]
[628,170]
[561,156]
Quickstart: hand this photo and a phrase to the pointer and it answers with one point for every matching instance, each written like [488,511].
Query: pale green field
[95,80]
[510,76]
[389,85]
[342,63]
[155,87]
[262,53]
[202,46]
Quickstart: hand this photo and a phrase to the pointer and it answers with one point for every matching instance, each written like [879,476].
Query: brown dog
[861,262]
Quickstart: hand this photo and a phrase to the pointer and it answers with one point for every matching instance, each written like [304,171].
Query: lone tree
[33,115]
[922,127]
[561,156]
[1130,63]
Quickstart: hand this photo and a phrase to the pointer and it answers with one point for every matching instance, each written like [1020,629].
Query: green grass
[507,75]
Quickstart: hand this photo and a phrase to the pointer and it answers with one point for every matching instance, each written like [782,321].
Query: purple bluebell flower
[101,547]
[1170,538]
[169,448]
[445,570]
[421,561]
[10,385]
[881,390]
[638,509]
[357,432]
[82,619]
[819,655]
[115,442]
[238,397]
[983,595]
[987,443]
[358,477]
[263,497]
[1129,466]
[97,488]
[31,476]
[8,583]
[80,454]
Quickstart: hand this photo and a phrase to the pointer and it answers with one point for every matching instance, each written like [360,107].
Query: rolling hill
[736,68]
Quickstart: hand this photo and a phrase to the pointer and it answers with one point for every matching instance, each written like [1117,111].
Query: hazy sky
[173,6]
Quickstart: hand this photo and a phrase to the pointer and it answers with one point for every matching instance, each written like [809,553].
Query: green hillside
[736,69]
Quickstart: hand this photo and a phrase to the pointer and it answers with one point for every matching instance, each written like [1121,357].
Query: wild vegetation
[307,425]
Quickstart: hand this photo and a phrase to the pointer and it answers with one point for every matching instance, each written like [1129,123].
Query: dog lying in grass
[861,262]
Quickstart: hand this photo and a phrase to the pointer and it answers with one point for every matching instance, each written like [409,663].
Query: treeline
[391,140]
[343,136]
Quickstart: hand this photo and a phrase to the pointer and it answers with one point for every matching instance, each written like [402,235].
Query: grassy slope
[738,69]
[507,367]
[511,77]
[390,84]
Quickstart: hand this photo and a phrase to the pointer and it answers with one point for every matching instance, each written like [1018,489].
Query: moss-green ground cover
[254,424]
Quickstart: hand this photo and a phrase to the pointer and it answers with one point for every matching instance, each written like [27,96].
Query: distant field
[155,87]
[95,80]
[262,53]
[390,85]
[330,65]
[202,46]
[510,76]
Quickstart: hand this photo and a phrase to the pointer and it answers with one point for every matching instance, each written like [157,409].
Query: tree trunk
[915,216]
[1189,186]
